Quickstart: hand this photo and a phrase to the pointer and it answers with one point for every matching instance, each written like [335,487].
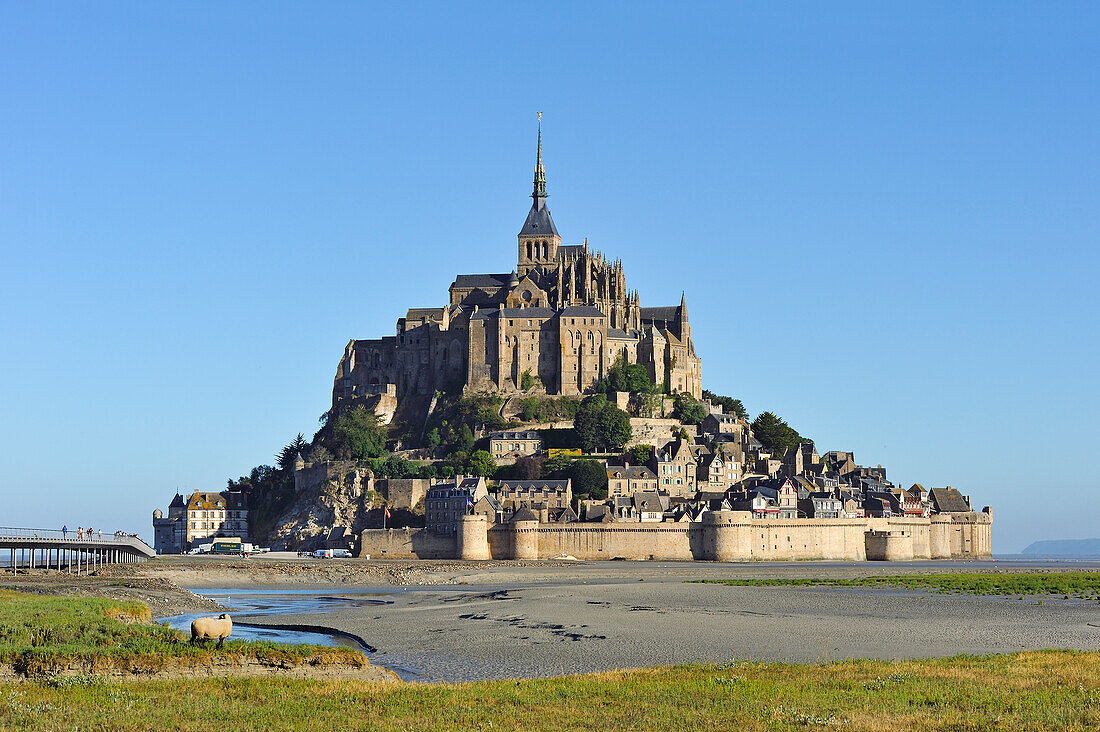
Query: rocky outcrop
[333,494]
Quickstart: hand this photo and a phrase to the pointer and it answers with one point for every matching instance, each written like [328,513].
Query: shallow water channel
[243,602]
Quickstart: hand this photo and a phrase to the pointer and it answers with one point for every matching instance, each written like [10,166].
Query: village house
[507,447]
[534,494]
[675,468]
[628,480]
[448,501]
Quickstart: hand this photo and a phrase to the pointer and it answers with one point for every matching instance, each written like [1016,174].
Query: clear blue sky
[884,215]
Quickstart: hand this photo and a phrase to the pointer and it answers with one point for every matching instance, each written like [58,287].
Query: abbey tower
[563,315]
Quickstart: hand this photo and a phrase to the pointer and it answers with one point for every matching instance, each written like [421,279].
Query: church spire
[540,172]
[539,223]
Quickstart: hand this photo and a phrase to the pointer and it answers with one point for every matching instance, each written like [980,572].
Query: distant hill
[1064,546]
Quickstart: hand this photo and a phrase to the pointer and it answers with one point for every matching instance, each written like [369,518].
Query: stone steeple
[540,172]
[538,239]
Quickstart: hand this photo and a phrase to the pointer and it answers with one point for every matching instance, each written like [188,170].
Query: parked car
[341,553]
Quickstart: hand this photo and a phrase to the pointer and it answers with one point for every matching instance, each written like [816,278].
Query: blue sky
[884,216]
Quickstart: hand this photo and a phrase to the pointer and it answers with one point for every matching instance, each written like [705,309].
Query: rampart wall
[722,536]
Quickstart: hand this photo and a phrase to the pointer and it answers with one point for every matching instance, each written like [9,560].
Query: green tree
[530,409]
[646,404]
[600,425]
[615,429]
[557,465]
[490,418]
[320,454]
[589,479]
[431,440]
[630,377]
[457,460]
[688,409]
[729,405]
[586,424]
[526,380]
[775,434]
[464,440]
[528,467]
[286,457]
[358,434]
[482,463]
[641,454]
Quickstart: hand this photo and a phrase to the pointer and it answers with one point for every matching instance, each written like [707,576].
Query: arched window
[528,250]
[545,251]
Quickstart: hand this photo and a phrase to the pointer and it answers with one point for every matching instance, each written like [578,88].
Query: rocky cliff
[338,495]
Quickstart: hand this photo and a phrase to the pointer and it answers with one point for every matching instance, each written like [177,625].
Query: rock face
[326,495]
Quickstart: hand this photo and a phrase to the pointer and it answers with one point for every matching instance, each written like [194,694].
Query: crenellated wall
[721,536]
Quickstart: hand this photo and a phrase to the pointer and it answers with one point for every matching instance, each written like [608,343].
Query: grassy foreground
[1067,584]
[40,634]
[1034,690]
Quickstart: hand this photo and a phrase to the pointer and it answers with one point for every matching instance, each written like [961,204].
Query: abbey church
[562,317]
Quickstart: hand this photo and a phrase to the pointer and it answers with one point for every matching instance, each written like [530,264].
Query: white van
[322,554]
[341,553]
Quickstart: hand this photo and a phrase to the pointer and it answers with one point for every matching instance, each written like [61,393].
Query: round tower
[525,534]
[473,537]
[725,536]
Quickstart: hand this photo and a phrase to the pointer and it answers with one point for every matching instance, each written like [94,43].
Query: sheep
[204,629]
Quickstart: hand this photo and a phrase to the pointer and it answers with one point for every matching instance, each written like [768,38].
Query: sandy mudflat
[459,621]
[513,622]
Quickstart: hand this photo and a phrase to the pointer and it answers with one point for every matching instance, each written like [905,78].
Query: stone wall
[723,535]
[404,492]
[317,474]
[406,543]
[656,432]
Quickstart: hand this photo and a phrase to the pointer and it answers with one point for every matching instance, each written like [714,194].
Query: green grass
[1026,691]
[40,634]
[1067,584]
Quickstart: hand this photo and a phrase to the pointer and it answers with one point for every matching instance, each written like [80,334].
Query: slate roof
[550,485]
[524,514]
[595,513]
[648,501]
[616,333]
[635,472]
[177,502]
[522,435]
[481,280]
[527,313]
[949,500]
[582,311]
[539,221]
[206,500]
[414,313]
[667,313]
[570,250]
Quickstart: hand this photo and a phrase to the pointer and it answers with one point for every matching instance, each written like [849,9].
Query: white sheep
[204,629]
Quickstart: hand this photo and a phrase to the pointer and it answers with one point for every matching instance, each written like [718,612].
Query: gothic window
[545,250]
[528,250]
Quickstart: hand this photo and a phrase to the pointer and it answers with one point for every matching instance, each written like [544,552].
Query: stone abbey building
[563,316]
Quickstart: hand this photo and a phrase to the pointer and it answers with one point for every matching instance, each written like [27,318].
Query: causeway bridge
[69,551]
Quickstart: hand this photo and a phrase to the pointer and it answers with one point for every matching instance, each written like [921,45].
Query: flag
[469,502]
[387,510]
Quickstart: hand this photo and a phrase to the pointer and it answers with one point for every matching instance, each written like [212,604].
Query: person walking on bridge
[65,532]
[80,533]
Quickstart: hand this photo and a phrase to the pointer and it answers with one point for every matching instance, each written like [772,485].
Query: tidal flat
[508,623]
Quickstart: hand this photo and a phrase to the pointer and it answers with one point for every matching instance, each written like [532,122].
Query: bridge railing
[11,532]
